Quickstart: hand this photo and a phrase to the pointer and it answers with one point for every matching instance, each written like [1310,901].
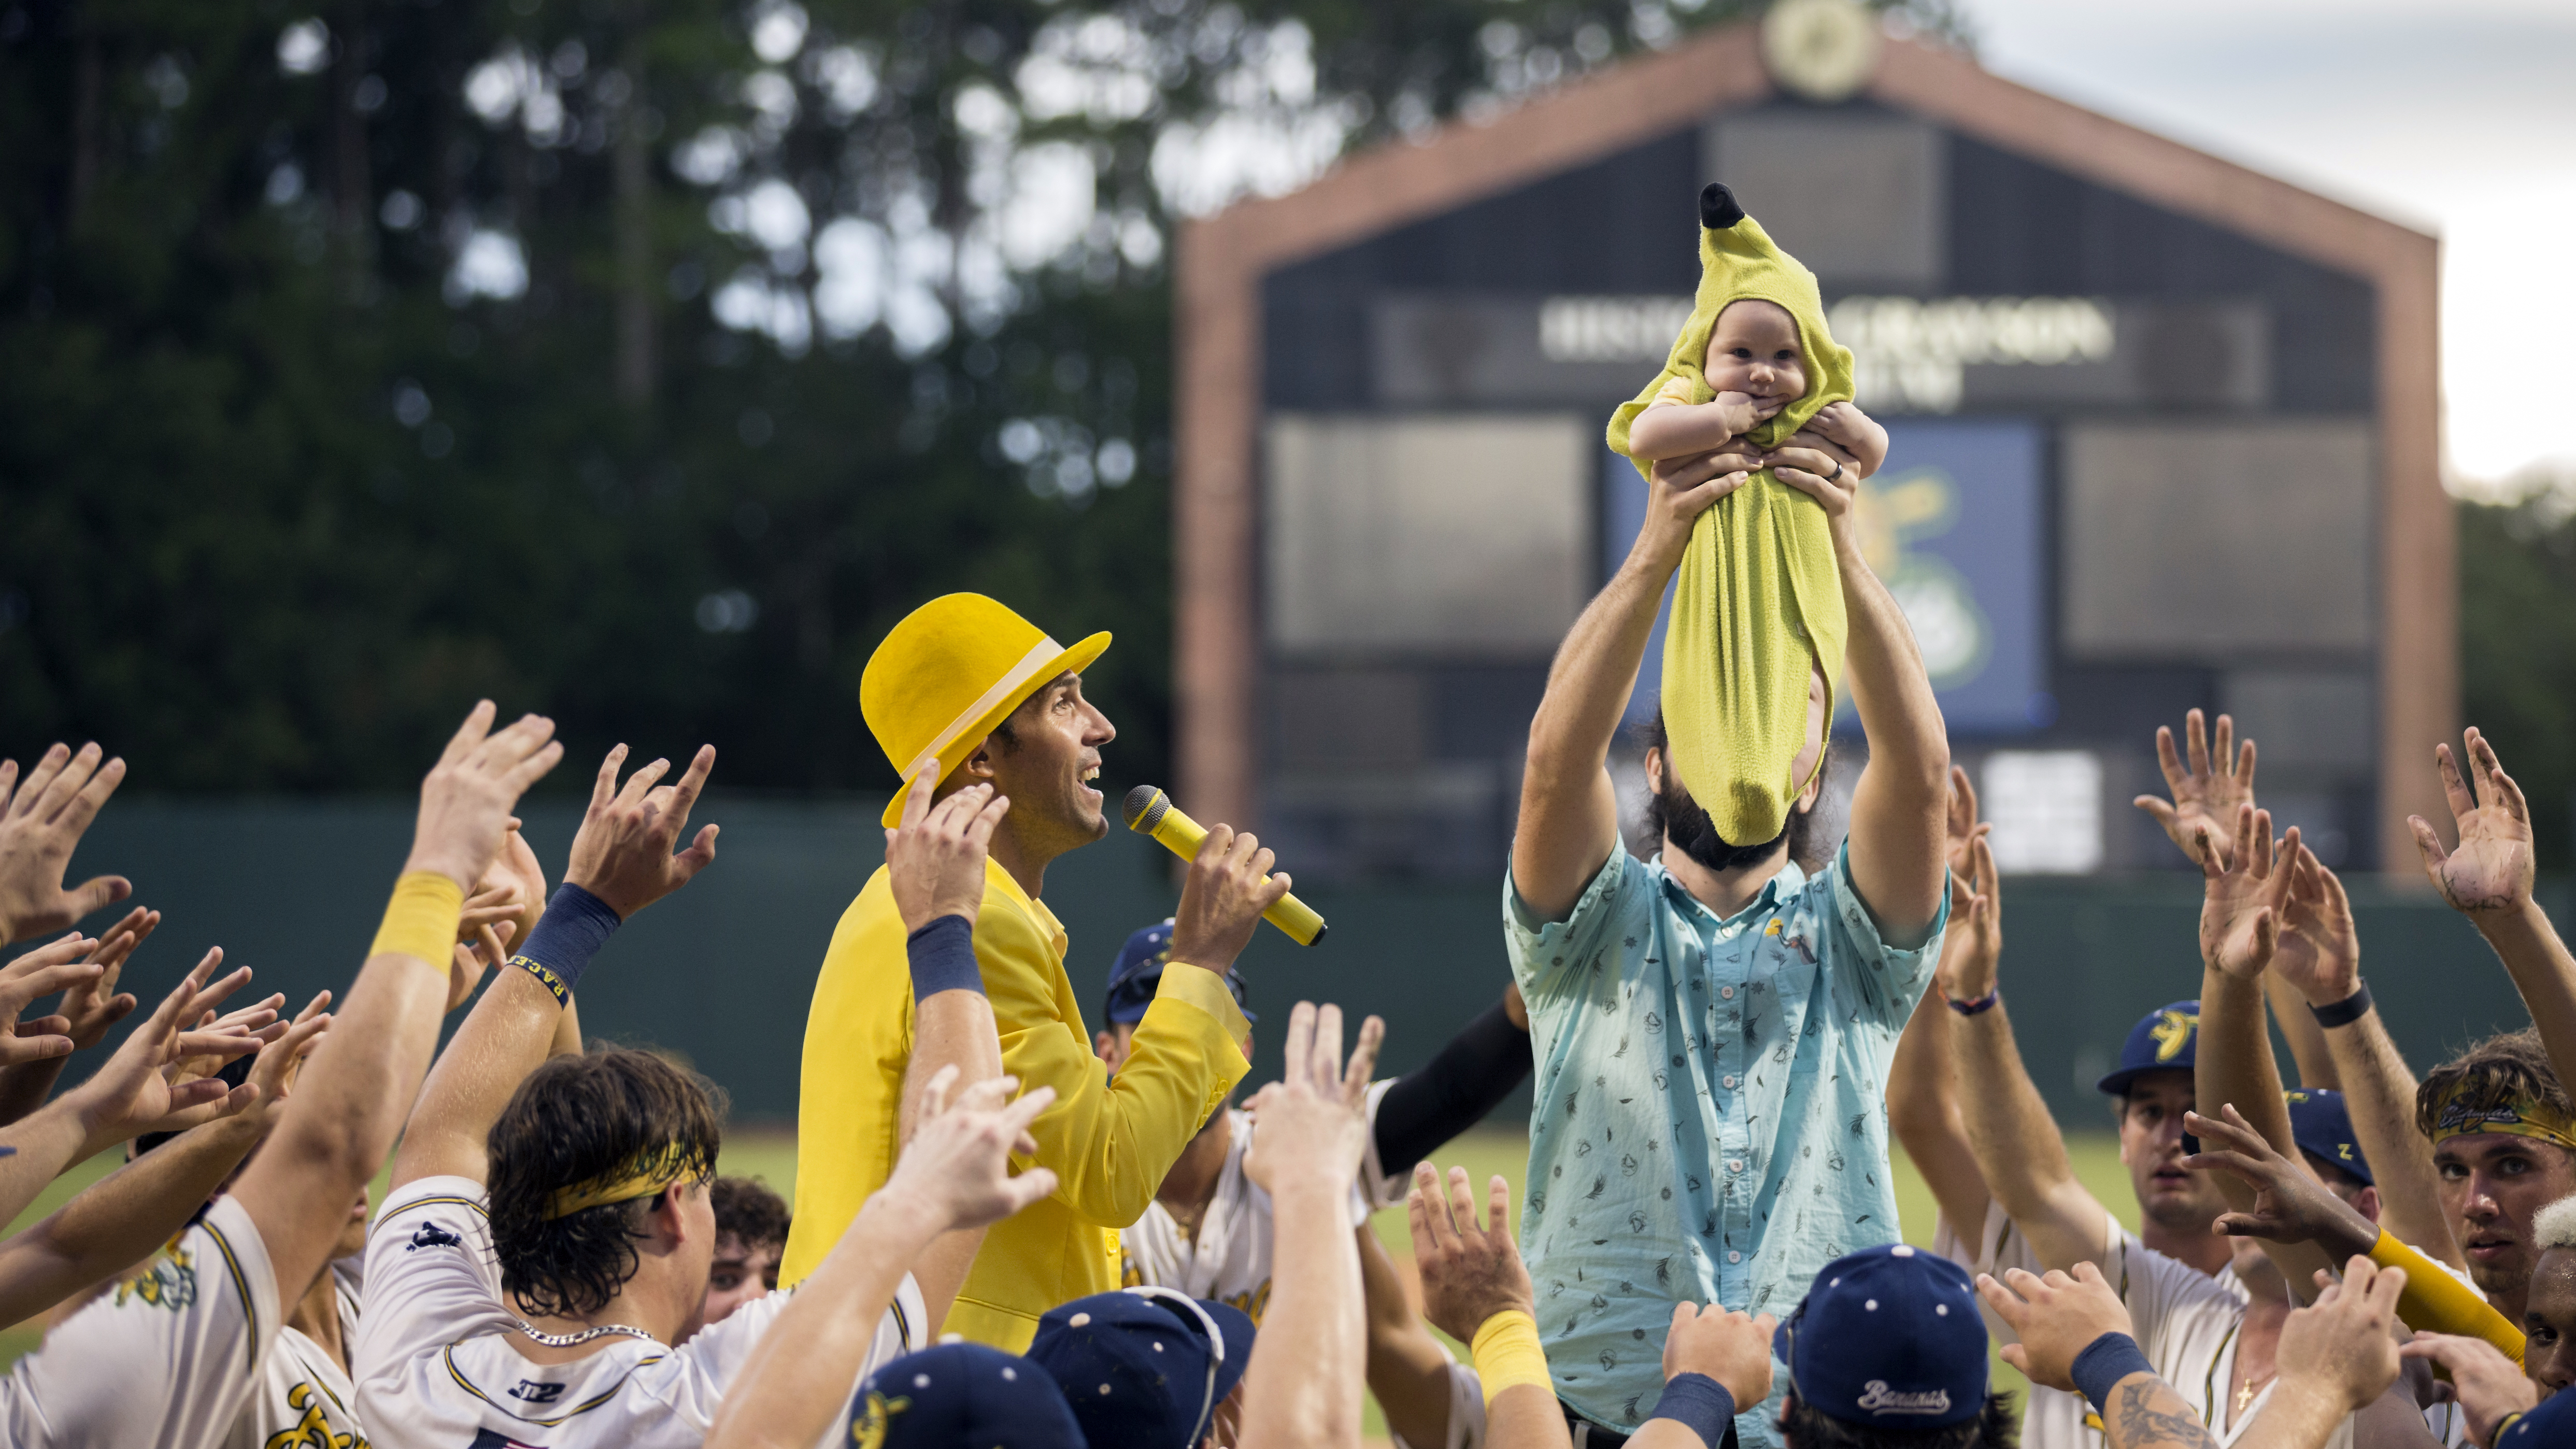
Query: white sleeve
[431,1279]
[2173,1305]
[720,1350]
[164,1360]
[1375,1187]
[1466,1412]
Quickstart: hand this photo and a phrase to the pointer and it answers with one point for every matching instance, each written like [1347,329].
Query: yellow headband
[2465,1108]
[643,1177]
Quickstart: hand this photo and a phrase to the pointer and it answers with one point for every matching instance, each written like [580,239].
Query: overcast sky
[2457,116]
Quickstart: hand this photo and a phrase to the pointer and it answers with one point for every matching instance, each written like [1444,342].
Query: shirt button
[1729,1083]
[1727,991]
[1735,1164]
[1734,1257]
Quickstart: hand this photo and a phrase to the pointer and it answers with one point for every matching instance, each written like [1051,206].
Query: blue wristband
[576,924]
[2104,1362]
[942,956]
[1698,1403]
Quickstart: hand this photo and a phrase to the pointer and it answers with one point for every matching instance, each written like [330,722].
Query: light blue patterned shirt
[1710,1119]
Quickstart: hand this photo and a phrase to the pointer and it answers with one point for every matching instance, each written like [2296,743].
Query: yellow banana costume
[1760,600]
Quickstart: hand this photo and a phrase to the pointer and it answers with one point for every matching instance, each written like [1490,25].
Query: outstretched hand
[1729,1347]
[1679,490]
[935,858]
[2340,1347]
[130,1094]
[2488,1387]
[2490,870]
[465,801]
[957,1165]
[2320,948]
[2207,793]
[1470,1271]
[1311,1126]
[58,966]
[41,821]
[2056,1318]
[622,854]
[2245,895]
[2290,1205]
[89,1010]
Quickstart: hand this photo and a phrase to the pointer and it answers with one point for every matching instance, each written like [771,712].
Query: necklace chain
[567,1340]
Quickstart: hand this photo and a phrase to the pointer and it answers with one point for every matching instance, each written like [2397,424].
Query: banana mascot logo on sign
[2173,1033]
[876,1412]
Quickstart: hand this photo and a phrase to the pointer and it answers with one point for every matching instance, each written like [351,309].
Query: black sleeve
[1472,1075]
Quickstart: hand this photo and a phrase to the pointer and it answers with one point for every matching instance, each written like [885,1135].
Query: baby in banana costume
[1757,624]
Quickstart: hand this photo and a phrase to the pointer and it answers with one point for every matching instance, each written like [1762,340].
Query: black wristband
[2104,1362]
[1698,1403]
[575,925]
[942,957]
[2345,1012]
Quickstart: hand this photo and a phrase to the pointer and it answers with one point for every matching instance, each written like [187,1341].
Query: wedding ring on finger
[1838,472]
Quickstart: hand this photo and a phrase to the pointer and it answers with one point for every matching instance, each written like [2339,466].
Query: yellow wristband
[2436,1302]
[1507,1355]
[420,920]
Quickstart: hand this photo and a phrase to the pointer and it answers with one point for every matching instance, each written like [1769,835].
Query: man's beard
[1674,816]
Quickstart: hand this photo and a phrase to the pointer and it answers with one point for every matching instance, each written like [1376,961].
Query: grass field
[772,1156]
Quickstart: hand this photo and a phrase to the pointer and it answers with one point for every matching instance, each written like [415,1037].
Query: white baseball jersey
[304,1399]
[436,1366]
[1229,1261]
[166,1359]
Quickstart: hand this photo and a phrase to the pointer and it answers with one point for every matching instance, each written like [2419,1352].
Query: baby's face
[1754,350]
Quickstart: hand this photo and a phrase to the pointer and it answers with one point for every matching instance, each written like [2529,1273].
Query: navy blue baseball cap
[1144,1368]
[1139,973]
[2166,1039]
[1888,1337]
[2322,1126]
[962,1396]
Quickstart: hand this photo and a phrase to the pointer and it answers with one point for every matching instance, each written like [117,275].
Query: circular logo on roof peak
[1822,50]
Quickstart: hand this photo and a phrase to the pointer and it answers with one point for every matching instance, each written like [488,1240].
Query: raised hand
[60,966]
[1974,952]
[89,1010]
[516,869]
[2491,868]
[1311,1126]
[2290,1205]
[2245,896]
[466,800]
[1960,829]
[272,1076]
[1729,1347]
[1680,490]
[131,1095]
[2339,1347]
[2207,794]
[1856,432]
[957,1167]
[2488,1387]
[41,821]
[2056,1318]
[1823,470]
[935,858]
[1228,886]
[622,854]
[1470,1270]
[2320,950]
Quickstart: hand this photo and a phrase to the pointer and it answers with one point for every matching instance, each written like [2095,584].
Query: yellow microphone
[1151,812]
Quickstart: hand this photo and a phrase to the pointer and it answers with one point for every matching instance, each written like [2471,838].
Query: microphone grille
[1144,808]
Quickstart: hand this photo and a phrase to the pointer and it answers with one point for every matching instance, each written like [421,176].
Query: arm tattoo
[2149,1413]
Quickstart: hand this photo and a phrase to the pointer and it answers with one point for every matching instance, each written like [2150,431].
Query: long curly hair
[579,1118]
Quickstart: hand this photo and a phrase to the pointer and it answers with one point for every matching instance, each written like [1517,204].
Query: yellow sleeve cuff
[1205,989]
[420,920]
[2436,1302]
[1508,1355]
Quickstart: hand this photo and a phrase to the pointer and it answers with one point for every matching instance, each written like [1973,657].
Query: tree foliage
[640,361]
[2518,653]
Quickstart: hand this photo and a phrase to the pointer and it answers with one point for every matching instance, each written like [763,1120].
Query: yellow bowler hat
[952,670]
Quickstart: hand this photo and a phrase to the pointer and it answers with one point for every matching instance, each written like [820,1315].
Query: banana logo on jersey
[311,1431]
[2172,1032]
[168,1282]
[876,1413]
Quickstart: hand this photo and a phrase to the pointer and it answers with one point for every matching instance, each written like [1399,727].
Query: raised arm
[87,1011]
[1898,808]
[1476,1289]
[117,1221]
[622,861]
[2242,907]
[350,1099]
[2319,961]
[2019,1152]
[1302,1390]
[1569,815]
[954,1177]
[2487,878]
[41,821]
[1408,1371]
[935,865]
[1923,1082]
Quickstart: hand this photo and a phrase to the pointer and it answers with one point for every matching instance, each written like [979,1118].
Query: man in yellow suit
[965,692]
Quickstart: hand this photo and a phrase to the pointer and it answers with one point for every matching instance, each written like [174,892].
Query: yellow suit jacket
[1109,1142]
